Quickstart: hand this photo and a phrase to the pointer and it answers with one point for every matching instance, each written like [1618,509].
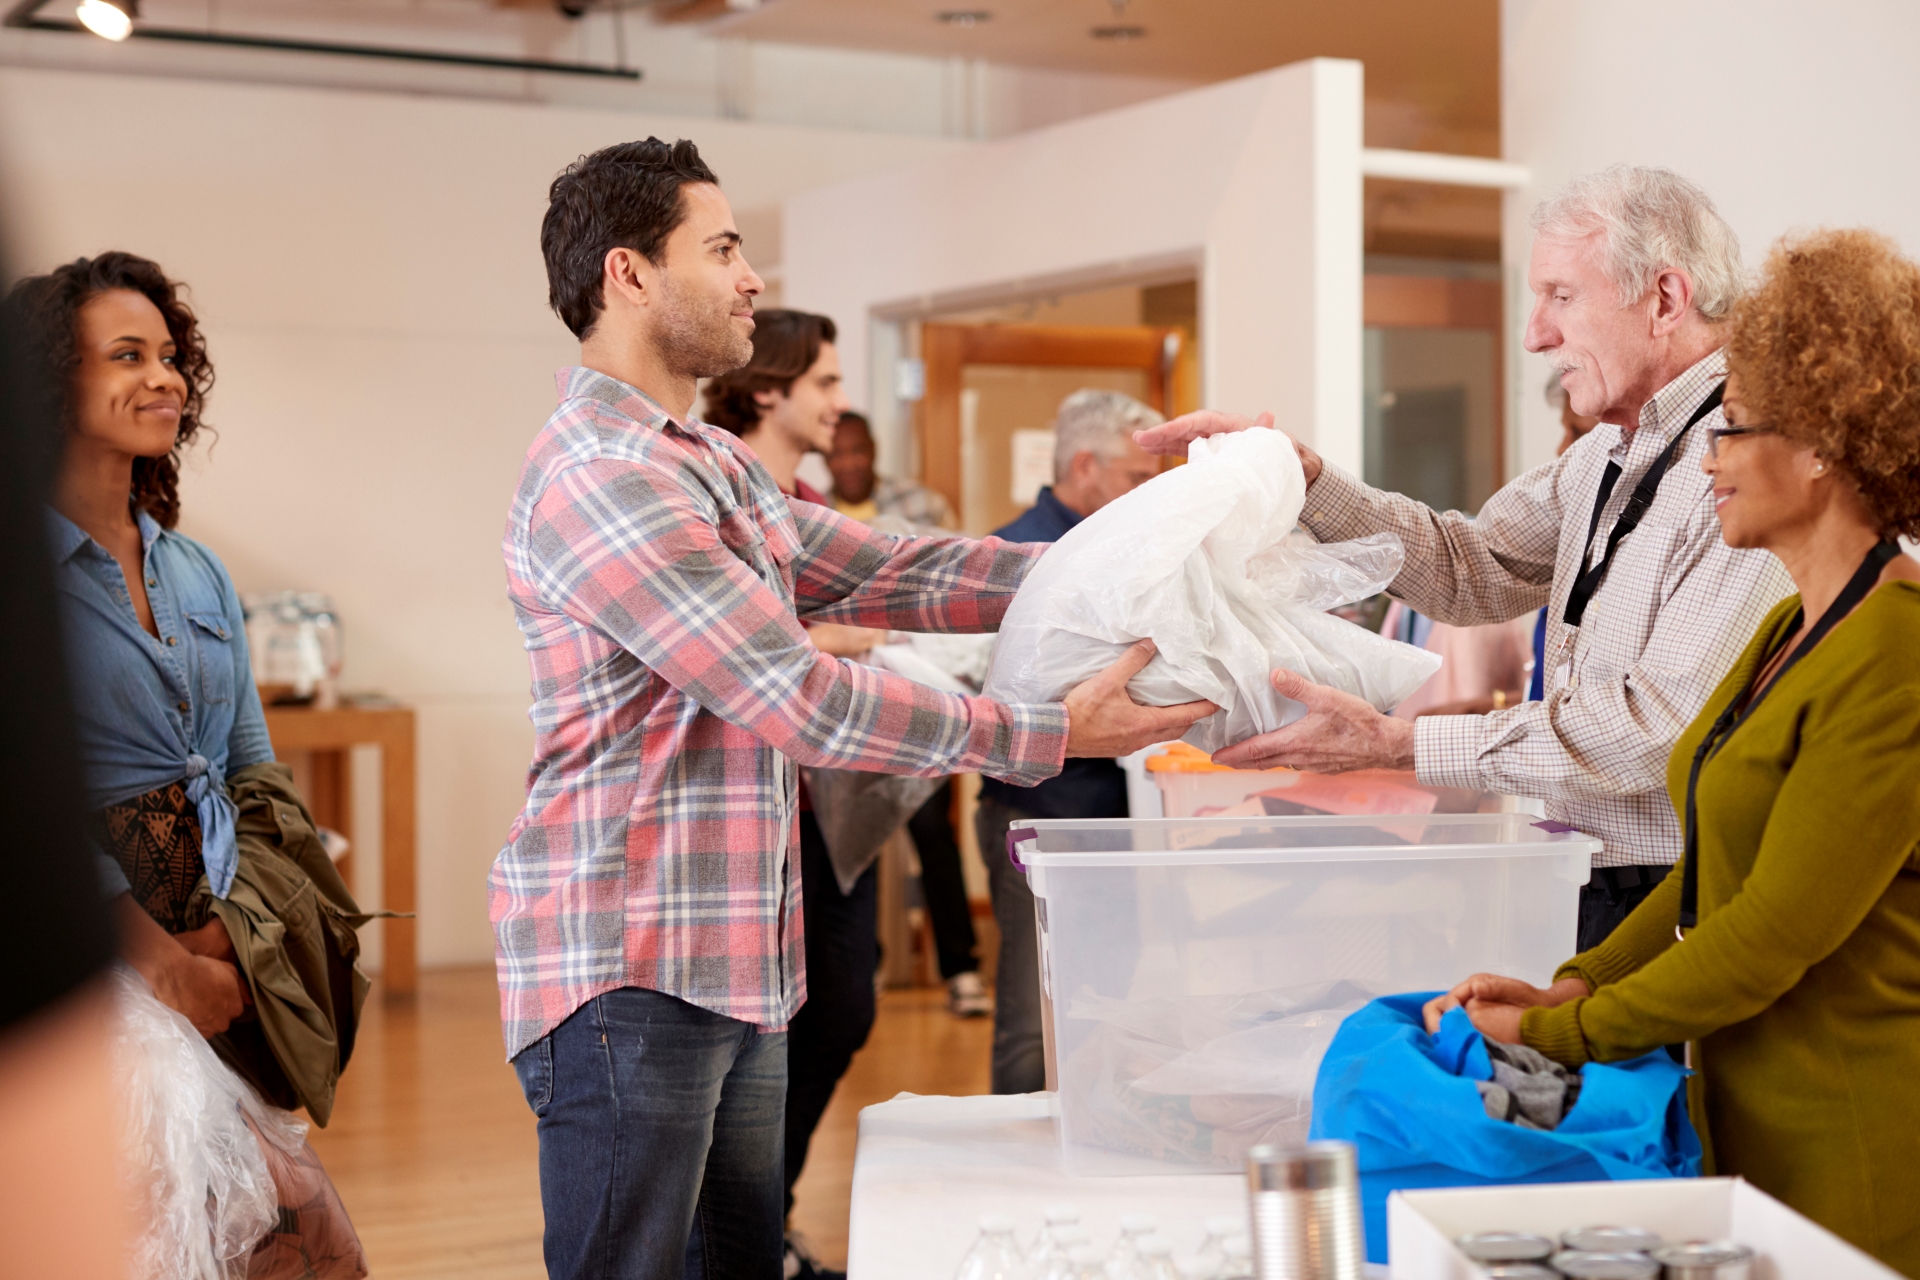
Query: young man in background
[900,506]
[784,403]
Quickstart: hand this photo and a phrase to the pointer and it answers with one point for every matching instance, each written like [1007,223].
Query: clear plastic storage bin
[1193,970]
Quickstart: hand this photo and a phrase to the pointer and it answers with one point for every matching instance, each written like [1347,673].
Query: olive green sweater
[1800,988]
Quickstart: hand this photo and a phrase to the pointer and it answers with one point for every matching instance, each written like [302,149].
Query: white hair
[1098,422]
[1652,220]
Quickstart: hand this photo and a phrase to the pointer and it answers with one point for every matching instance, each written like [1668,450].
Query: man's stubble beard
[695,338]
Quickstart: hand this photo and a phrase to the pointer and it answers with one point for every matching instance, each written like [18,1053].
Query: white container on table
[1193,970]
[1422,1225]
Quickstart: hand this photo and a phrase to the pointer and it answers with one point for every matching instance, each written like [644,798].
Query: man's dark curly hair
[625,196]
[44,311]
[785,345]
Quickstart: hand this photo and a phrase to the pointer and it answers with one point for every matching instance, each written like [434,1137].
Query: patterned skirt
[156,840]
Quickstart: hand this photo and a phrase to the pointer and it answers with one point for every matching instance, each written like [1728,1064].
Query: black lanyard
[1863,581]
[1589,581]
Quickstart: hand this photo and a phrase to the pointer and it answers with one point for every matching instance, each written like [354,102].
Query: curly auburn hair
[785,345]
[45,312]
[1827,350]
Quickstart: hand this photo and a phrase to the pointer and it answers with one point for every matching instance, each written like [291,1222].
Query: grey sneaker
[967,996]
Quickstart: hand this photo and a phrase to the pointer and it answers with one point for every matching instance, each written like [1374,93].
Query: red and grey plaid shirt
[656,572]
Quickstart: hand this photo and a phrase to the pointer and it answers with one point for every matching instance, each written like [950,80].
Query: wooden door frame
[1437,302]
[946,350]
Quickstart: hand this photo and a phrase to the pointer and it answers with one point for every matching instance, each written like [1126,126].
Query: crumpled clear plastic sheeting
[203,1194]
[1326,575]
[1204,560]
[1201,1080]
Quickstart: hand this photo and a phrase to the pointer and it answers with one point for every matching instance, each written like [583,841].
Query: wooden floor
[433,1149]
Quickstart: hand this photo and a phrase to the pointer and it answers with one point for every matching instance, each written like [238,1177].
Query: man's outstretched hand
[1339,733]
[1175,436]
[1102,720]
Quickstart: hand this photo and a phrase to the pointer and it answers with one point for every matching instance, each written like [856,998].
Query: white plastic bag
[223,1185]
[203,1196]
[1204,559]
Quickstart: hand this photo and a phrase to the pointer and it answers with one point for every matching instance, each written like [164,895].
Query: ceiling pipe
[25,16]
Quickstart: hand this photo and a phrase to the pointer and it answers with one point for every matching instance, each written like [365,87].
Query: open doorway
[994,378]
[1432,412]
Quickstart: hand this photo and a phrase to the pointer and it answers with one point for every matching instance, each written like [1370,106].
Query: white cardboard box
[1422,1225]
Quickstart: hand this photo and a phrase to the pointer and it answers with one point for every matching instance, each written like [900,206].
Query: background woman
[1797,984]
[167,715]
[157,642]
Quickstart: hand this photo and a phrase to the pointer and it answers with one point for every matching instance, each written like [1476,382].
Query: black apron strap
[1630,516]
[1864,579]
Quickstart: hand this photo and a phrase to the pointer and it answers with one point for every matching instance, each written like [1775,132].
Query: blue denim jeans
[660,1141]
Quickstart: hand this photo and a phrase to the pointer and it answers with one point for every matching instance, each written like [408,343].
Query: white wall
[367,271]
[1791,115]
[1254,183]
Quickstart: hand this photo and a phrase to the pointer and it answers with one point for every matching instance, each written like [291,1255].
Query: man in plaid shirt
[646,906]
[1634,275]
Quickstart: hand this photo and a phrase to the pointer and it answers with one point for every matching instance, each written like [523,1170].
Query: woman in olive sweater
[1785,948]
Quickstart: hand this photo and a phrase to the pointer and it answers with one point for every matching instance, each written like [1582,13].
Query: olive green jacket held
[293,925]
[1799,990]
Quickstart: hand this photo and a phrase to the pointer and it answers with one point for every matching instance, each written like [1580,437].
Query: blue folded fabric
[1407,1101]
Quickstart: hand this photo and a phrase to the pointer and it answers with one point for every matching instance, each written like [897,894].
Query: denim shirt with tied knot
[155,710]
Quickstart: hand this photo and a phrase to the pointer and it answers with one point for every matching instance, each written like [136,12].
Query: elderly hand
[1176,435]
[1495,1003]
[1339,733]
[1102,720]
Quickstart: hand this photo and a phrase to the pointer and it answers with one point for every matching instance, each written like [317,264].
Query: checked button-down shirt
[656,573]
[1677,607]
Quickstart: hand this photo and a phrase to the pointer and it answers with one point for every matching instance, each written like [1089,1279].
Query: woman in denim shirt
[165,701]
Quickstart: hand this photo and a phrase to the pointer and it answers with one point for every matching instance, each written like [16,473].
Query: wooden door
[949,349]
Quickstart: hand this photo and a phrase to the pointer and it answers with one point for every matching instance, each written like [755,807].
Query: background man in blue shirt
[1094,461]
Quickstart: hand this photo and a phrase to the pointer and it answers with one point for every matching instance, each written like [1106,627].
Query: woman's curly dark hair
[1827,350]
[45,312]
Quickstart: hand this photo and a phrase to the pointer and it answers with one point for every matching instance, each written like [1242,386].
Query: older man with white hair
[1633,274]
[1094,461]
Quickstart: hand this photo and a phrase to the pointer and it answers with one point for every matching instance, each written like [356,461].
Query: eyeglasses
[1716,434]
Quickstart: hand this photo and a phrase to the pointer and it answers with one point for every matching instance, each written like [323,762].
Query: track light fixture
[110,19]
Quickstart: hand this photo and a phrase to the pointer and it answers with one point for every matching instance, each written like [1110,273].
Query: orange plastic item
[1193,786]
[1182,757]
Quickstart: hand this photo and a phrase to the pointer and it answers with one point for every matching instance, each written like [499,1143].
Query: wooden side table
[329,736]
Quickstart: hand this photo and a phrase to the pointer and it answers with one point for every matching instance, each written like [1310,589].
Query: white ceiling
[1432,65]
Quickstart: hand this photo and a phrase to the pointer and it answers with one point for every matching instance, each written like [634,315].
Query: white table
[928,1168]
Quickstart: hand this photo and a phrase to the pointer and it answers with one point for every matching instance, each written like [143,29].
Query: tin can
[1586,1264]
[1705,1260]
[1305,1206]
[1520,1271]
[1610,1240]
[1505,1246]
